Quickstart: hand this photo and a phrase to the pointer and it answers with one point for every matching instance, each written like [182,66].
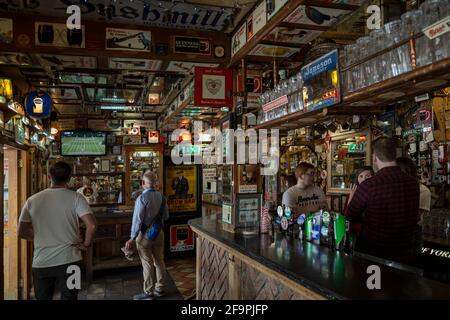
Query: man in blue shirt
[149,206]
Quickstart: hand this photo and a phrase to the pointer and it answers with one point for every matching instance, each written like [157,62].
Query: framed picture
[181,189]
[105,165]
[248,209]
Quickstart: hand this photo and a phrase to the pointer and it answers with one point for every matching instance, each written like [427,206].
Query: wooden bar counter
[234,266]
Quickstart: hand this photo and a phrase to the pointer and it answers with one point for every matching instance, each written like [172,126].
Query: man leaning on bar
[387,206]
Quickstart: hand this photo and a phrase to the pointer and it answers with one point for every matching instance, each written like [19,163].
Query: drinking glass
[411,23]
[366,67]
[379,64]
[355,77]
[437,48]
[399,57]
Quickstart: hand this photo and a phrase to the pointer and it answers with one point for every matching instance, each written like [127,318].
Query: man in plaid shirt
[387,205]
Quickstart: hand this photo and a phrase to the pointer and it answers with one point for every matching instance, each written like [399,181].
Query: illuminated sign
[38,104]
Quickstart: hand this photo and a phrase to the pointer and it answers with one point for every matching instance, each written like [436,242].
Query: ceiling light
[117,108]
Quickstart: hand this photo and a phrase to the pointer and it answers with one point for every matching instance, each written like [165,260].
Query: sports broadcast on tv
[83,143]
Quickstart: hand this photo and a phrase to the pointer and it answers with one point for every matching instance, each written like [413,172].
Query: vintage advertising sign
[437,29]
[147,124]
[183,14]
[55,60]
[209,180]
[181,238]
[253,85]
[6,30]
[130,40]
[153,136]
[180,188]
[257,20]
[57,35]
[274,6]
[38,104]
[191,45]
[134,64]
[273,51]
[212,87]
[321,82]
[316,16]
[239,39]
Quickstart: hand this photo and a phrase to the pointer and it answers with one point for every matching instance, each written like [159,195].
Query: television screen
[83,143]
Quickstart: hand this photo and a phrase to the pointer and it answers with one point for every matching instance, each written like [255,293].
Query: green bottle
[339,231]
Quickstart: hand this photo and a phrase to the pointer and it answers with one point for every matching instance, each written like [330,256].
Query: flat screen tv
[83,143]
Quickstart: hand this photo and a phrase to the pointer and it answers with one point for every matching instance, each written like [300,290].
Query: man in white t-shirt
[50,218]
[305,196]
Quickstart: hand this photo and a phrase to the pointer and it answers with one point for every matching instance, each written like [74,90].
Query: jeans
[45,281]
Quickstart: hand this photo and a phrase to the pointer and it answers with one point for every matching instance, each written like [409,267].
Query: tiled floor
[182,272]
[123,284]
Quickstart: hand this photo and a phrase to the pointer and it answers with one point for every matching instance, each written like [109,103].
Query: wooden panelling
[214,272]
[224,273]
[256,285]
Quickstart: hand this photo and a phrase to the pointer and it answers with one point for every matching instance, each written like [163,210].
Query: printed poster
[180,188]
[130,40]
[57,35]
[239,39]
[212,87]
[181,238]
[256,21]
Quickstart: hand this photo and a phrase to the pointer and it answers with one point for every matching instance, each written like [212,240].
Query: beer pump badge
[38,104]
[288,212]
[301,219]
[284,223]
[280,211]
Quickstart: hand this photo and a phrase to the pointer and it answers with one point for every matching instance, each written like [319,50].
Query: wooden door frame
[2,228]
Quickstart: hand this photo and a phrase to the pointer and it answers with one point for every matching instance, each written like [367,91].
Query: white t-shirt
[54,214]
[307,200]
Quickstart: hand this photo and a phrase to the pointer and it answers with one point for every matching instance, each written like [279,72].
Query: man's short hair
[302,168]
[385,149]
[150,177]
[60,172]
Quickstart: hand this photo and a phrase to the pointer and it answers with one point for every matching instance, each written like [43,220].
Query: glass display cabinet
[138,160]
[347,153]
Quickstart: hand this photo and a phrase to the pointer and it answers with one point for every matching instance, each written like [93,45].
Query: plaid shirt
[387,205]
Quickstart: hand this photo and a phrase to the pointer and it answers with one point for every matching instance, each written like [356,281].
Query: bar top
[330,273]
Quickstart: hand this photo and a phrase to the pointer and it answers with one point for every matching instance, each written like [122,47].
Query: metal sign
[200,46]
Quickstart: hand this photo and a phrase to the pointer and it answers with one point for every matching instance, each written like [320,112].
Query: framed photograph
[248,209]
[105,165]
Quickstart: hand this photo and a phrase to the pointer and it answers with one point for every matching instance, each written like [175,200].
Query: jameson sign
[183,15]
[192,45]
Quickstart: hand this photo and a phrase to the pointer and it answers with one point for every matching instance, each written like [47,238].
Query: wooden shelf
[418,81]
[278,19]
[98,174]
[302,119]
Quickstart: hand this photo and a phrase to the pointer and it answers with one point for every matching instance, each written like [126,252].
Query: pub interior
[273,129]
